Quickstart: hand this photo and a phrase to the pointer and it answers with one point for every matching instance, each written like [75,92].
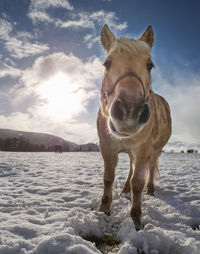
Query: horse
[131,118]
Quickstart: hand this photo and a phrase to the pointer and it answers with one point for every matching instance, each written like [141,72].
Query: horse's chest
[126,145]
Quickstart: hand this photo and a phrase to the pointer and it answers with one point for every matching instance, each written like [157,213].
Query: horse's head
[126,85]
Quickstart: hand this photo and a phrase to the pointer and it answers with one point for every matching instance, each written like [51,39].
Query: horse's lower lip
[112,127]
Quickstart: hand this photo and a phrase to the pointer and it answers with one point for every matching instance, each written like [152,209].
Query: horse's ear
[107,38]
[148,36]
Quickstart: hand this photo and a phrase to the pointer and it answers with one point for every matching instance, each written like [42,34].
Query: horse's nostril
[144,114]
[117,109]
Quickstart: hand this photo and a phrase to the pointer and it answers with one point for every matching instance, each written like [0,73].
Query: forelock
[130,46]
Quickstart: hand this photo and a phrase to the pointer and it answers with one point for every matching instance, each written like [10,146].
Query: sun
[62,98]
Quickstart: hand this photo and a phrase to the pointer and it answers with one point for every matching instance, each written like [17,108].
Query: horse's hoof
[150,190]
[138,228]
[105,209]
[151,193]
[196,227]
[107,213]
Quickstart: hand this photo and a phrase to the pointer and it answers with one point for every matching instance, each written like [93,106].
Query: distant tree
[1,144]
[14,144]
[42,148]
[8,144]
[23,145]
[65,148]
[50,149]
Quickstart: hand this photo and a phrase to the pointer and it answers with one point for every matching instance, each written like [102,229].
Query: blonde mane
[129,46]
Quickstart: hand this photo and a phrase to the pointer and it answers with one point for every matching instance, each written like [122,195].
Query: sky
[51,62]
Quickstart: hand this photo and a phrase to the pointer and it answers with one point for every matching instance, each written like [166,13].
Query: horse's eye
[150,65]
[107,64]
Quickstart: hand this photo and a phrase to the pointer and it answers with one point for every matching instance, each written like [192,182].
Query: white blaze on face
[63,99]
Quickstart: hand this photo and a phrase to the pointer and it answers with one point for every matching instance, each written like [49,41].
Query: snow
[49,203]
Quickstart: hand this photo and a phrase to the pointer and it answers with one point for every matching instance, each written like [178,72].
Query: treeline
[23,145]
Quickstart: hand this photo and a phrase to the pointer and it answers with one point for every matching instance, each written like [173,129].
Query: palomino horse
[132,118]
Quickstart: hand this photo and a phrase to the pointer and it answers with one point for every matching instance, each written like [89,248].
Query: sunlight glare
[63,100]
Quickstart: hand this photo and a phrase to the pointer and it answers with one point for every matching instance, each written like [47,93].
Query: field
[49,203]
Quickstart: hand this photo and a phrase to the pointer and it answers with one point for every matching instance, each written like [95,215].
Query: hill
[12,140]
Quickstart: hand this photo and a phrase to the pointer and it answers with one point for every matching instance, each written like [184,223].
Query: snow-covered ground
[48,205]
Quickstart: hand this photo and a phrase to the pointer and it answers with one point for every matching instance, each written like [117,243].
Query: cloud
[109,18]
[5,29]
[80,20]
[82,75]
[78,71]
[90,40]
[20,49]
[6,70]
[91,20]
[18,44]
[30,104]
[38,12]
[183,97]
[45,4]
[40,16]
[38,9]
[23,35]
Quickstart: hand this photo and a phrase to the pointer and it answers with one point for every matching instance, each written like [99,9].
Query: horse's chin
[115,132]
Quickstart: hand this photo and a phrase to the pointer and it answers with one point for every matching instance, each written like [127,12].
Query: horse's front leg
[137,185]
[110,163]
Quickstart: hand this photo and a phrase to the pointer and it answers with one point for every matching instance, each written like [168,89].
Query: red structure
[58,149]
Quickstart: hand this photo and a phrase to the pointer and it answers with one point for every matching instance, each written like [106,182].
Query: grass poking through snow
[107,243]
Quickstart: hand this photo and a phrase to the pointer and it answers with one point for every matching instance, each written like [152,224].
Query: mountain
[12,140]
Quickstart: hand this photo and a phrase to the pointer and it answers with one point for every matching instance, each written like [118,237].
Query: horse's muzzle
[127,118]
